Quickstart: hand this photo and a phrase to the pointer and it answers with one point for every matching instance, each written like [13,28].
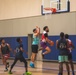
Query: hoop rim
[53,10]
[48,8]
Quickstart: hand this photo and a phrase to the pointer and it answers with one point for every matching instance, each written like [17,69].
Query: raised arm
[38,31]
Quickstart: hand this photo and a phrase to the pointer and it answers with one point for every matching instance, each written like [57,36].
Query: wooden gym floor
[42,68]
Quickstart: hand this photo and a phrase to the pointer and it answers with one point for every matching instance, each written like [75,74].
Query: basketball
[51,43]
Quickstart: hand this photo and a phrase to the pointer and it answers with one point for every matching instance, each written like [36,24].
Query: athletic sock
[32,62]
[6,68]
[43,55]
[8,64]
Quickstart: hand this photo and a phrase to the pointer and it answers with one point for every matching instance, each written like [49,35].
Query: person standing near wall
[62,46]
[35,43]
[71,47]
[5,53]
[19,56]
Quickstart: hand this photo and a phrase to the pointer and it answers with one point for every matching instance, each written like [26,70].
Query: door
[30,39]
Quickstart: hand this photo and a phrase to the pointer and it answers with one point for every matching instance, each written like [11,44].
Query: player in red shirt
[71,47]
[45,40]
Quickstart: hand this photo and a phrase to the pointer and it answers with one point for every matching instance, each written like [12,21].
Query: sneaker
[10,72]
[27,73]
[32,65]
[5,70]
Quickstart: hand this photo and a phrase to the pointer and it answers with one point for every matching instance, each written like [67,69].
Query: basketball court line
[54,69]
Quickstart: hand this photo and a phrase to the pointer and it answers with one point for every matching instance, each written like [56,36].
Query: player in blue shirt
[62,46]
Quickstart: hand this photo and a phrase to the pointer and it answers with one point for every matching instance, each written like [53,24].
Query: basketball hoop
[53,10]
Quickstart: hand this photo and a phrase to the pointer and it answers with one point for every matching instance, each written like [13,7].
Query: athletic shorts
[6,56]
[43,45]
[63,58]
[21,59]
[70,56]
[35,48]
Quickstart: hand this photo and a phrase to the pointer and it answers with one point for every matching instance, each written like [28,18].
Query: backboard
[60,5]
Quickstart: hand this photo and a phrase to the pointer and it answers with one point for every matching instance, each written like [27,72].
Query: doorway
[30,39]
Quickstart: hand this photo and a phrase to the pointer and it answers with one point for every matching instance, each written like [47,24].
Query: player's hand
[37,27]
[51,43]
[70,49]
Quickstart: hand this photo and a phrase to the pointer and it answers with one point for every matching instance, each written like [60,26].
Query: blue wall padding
[13,44]
[53,55]
[54,52]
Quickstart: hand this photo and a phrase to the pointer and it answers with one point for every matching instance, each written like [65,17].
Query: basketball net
[47,16]
[49,11]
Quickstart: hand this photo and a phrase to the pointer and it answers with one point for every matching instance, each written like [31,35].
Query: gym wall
[19,8]
[23,8]
[65,22]
[21,27]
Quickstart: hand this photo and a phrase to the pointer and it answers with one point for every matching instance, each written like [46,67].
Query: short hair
[1,39]
[34,29]
[62,34]
[45,27]
[66,36]
[18,39]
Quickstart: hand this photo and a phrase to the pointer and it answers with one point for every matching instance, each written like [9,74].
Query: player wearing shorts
[35,44]
[45,40]
[19,56]
[62,46]
[5,53]
[71,47]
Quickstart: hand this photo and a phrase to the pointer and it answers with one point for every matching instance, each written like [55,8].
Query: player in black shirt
[19,56]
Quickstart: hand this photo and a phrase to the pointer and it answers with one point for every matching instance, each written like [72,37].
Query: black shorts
[35,48]
[21,59]
[70,56]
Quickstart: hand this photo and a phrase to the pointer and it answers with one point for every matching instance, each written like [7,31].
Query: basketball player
[5,53]
[35,44]
[62,46]
[71,47]
[45,40]
[19,56]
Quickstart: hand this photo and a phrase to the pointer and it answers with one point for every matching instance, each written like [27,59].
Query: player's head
[66,36]
[62,35]
[46,29]
[19,40]
[2,41]
[35,30]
